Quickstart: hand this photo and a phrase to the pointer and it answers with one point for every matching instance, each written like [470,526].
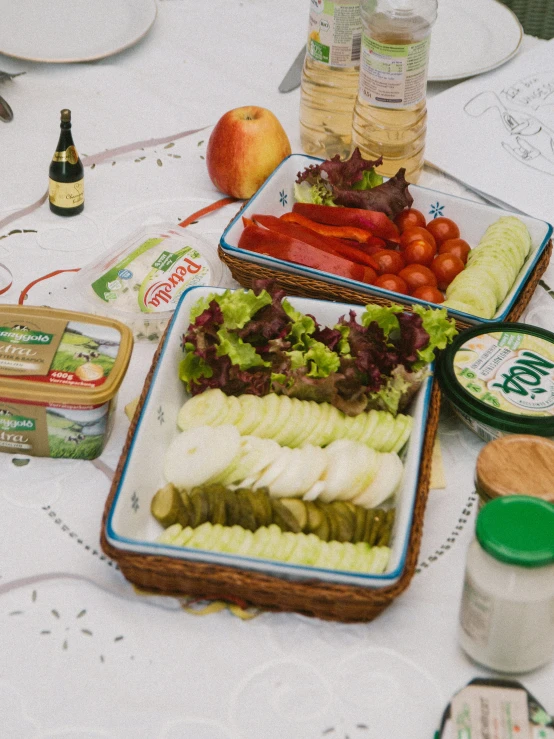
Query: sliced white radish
[253,458]
[348,466]
[315,491]
[386,482]
[273,471]
[196,456]
[304,468]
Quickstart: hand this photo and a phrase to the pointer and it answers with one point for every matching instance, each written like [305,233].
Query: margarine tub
[500,379]
[140,281]
[59,376]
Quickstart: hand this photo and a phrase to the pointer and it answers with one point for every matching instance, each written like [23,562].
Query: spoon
[6,113]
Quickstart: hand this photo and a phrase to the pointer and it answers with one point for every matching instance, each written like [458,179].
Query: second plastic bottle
[390,115]
[330,77]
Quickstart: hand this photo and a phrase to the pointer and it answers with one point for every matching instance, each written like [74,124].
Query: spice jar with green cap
[507,608]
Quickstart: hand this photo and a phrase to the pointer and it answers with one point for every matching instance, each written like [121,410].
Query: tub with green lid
[499,379]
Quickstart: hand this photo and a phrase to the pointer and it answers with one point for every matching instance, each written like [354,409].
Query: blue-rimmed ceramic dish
[129,525]
[276,196]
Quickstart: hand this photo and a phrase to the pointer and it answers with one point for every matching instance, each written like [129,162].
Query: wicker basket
[175,577]
[536,16]
[244,272]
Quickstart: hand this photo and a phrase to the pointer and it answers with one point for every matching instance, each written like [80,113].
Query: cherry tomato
[390,262]
[428,293]
[443,229]
[417,275]
[416,232]
[445,267]
[458,247]
[419,251]
[392,282]
[409,217]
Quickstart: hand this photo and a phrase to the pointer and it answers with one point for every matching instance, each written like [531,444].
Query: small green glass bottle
[66,192]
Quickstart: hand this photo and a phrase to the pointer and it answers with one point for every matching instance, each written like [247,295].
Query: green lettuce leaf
[193,367]
[317,194]
[240,353]
[302,327]
[384,317]
[440,328]
[321,360]
[390,395]
[237,307]
[370,179]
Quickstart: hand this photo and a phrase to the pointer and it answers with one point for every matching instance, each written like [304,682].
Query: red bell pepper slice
[261,240]
[325,243]
[371,220]
[340,232]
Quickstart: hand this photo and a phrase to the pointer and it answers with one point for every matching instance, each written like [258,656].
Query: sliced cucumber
[205,409]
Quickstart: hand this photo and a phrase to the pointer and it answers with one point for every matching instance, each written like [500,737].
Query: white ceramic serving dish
[130,525]
[276,196]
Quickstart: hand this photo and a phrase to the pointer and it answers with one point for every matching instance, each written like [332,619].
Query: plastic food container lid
[519,464]
[140,281]
[518,530]
[80,359]
[502,376]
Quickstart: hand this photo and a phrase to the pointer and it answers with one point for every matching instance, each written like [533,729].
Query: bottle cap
[518,530]
[517,464]
[66,115]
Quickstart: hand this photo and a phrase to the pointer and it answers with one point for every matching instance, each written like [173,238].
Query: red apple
[244,148]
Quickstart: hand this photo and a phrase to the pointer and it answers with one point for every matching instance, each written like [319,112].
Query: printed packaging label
[335,32]
[57,352]
[69,155]
[393,75]
[66,195]
[490,713]
[53,430]
[152,277]
[510,371]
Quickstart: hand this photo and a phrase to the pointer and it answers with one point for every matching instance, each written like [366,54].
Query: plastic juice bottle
[390,114]
[330,77]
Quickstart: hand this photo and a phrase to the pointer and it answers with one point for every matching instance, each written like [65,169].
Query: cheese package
[490,707]
[140,281]
[60,372]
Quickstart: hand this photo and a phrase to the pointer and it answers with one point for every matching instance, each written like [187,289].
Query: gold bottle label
[66,194]
[69,155]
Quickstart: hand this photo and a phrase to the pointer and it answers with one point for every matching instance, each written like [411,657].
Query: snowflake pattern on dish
[436,210]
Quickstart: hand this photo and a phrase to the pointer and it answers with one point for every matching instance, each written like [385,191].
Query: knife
[292,78]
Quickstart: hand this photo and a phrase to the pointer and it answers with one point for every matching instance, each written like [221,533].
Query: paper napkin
[495,133]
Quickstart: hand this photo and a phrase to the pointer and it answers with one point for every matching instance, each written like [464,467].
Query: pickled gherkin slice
[166,505]
[250,510]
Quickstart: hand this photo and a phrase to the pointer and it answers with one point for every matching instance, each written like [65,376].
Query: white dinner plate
[72,30]
[471,37]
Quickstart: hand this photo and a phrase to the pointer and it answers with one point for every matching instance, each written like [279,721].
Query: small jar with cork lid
[516,464]
[507,609]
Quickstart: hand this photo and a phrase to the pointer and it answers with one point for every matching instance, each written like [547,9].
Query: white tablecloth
[84,655]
